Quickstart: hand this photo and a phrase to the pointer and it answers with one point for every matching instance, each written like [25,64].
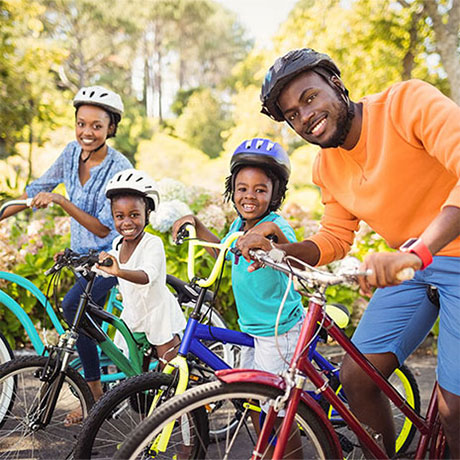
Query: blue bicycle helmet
[267,155]
[262,152]
[285,69]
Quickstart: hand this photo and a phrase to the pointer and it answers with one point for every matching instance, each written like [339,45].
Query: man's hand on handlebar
[387,269]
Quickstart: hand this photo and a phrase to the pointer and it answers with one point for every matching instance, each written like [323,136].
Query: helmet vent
[104,94]
[259,143]
[92,94]
[129,177]
[270,146]
[139,179]
[248,144]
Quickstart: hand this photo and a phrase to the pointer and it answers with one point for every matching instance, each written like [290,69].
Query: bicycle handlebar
[78,261]
[277,259]
[27,202]
[187,232]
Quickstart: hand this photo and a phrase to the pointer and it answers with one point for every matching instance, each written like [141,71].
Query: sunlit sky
[261,18]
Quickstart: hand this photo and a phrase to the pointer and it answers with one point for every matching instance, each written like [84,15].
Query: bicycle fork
[52,375]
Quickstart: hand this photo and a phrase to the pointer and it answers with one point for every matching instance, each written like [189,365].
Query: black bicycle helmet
[267,155]
[285,69]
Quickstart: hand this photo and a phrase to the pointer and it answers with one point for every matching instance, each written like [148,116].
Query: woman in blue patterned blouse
[84,167]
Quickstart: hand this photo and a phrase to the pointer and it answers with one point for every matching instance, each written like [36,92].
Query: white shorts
[271,354]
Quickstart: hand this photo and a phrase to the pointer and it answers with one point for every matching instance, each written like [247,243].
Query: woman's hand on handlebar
[387,269]
[44,199]
[189,219]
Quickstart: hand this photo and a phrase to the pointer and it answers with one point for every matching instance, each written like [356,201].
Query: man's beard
[344,119]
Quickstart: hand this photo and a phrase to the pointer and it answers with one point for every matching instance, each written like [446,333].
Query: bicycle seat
[433,295]
[185,291]
[339,314]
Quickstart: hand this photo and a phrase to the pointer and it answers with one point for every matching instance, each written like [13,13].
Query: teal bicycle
[113,305]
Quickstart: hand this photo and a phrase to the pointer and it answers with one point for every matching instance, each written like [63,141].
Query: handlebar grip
[405,274]
[182,233]
[106,262]
[236,251]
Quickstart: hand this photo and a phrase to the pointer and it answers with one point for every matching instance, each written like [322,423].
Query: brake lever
[182,234]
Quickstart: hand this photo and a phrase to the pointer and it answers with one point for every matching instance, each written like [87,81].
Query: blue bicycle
[123,408]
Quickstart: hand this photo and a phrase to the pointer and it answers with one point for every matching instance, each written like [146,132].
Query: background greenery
[189,78]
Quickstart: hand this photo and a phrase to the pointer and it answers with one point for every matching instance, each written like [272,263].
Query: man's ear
[338,82]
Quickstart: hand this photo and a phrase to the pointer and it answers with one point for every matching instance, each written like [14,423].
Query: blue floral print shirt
[89,197]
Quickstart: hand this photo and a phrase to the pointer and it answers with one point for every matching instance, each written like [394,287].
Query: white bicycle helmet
[136,182]
[102,97]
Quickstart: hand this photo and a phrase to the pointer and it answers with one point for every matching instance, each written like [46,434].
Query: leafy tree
[29,100]
[202,122]
[375,42]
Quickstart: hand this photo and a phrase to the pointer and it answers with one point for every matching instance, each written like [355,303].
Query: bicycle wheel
[190,434]
[6,353]
[404,382]
[117,413]
[6,397]
[20,435]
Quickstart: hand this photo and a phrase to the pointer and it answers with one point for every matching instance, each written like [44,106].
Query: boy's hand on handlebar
[189,219]
[44,199]
[387,269]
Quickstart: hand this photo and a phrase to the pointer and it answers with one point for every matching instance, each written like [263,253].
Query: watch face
[408,243]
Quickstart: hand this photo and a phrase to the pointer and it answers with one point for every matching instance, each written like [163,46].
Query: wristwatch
[419,248]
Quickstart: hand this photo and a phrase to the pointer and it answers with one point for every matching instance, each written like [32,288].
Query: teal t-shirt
[258,294]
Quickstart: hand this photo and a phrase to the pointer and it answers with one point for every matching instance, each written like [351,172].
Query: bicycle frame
[301,363]
[37,343]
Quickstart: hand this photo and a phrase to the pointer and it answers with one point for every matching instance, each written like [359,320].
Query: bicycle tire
[17,437]
[6,353]
[117,413]
[210,398]
[405,383]
[6,397]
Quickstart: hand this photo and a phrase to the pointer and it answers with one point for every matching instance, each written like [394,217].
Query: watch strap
[419,248]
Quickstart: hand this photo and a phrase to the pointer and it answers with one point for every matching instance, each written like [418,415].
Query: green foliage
[36,256]
[176,263]
[202,122]
[181,100]
[134,127]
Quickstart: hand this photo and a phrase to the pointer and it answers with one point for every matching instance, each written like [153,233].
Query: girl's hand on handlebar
[387,269]
[113,269]
[44,199]
[189,219]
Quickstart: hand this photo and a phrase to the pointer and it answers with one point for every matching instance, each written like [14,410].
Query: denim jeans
[87,348]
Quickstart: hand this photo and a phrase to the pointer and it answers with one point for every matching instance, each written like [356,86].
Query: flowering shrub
[27,247]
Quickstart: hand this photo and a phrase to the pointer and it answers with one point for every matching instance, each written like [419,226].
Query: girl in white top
[139,263]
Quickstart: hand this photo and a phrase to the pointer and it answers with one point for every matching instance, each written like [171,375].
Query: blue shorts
[398,319]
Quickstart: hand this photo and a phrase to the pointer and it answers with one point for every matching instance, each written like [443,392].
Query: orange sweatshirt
[403,170]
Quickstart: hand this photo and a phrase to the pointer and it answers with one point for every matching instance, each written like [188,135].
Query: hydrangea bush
[28,243]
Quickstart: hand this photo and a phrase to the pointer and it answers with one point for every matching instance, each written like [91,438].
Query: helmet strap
[84,160]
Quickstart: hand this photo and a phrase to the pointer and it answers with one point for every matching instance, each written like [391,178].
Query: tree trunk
[447,42]
[408,61]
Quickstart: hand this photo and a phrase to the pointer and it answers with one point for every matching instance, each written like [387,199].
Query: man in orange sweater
[392,160]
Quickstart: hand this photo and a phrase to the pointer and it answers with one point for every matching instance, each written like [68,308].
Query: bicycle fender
[276,381]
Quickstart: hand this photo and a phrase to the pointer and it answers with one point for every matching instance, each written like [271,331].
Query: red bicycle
[294,423]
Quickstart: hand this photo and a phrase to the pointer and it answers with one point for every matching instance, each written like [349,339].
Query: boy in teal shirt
[257,185]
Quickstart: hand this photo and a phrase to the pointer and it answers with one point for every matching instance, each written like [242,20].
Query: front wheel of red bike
[190,436]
